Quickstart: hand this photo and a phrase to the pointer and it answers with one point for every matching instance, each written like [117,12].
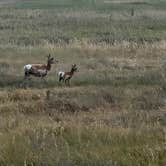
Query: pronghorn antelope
[39,70]
[66,76]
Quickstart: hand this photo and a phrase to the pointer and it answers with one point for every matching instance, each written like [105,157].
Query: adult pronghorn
[66,76]
[39,70]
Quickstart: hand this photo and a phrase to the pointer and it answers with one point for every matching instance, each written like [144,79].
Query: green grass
[55,4]
[99,5]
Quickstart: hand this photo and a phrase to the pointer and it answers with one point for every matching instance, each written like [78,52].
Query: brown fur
[39,66]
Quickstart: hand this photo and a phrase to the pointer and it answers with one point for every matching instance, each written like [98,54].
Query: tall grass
[113,113]
[51,142]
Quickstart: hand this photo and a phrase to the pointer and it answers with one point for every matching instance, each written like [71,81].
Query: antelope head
[50,61]
[74,68]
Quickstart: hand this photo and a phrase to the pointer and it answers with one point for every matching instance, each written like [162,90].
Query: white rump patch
[27,67]
[61,73]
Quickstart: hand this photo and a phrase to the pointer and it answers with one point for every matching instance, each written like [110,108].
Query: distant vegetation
[96,21]
[114,111]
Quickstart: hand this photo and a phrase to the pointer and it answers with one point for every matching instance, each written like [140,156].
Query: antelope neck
[48,66]
[72,71]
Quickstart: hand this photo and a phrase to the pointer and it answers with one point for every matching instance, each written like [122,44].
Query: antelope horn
[49,56]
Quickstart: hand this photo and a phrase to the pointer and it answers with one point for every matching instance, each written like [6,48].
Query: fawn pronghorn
[66,76]
[39,70]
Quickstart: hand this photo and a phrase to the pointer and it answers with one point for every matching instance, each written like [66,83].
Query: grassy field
[113,113]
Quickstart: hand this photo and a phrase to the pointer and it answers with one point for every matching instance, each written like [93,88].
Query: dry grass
[114,111]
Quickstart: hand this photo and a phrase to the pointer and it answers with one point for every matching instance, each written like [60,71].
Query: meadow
[113,113]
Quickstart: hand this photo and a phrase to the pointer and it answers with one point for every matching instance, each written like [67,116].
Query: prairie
[113,113]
